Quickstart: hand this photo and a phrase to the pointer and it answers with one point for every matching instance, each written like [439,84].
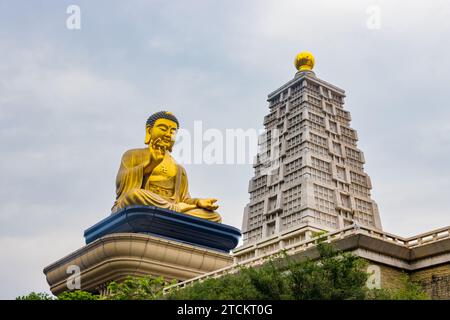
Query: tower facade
[308,170]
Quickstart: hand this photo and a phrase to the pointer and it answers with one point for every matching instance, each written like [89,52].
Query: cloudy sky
[72,101]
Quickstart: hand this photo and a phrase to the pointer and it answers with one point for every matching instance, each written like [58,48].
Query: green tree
[228,287]
[137,288]
[335,275]
[36,296]
[68,295]
[78,295]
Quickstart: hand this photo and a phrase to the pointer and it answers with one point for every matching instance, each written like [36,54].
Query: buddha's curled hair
[161,115]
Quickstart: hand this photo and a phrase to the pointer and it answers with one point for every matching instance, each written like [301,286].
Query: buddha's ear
[147,135]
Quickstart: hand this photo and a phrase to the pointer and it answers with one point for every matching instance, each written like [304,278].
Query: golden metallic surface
[150,176]
[304,61]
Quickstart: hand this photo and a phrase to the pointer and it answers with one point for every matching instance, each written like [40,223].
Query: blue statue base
[167,224]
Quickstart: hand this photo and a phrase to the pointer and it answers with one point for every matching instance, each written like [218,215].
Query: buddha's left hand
[207,204]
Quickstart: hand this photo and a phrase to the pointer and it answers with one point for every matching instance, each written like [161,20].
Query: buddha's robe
[166,187]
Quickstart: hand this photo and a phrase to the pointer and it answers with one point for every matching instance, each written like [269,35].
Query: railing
[411,242]
[425,238]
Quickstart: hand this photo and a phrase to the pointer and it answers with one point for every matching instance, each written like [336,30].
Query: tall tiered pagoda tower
[308,171]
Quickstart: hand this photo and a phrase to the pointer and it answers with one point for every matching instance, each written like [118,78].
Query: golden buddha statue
[150,176]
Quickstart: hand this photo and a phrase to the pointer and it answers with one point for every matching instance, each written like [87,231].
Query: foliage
[249,284]
[78,295]
[137,288]
[68,295]
[335,275]
[36,296]
[227,287]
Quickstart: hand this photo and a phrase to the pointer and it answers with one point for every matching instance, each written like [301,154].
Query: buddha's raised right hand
[157,153]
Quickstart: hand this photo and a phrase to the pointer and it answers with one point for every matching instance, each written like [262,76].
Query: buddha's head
[161,127]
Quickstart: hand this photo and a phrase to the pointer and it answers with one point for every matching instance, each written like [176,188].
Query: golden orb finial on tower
[304,61]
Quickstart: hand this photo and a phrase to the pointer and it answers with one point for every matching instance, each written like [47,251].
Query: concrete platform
[118,255]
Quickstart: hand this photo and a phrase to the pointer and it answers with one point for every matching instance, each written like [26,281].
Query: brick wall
[434,280]
[391,278]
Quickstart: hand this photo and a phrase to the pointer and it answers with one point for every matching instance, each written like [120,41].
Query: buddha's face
[163,133]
